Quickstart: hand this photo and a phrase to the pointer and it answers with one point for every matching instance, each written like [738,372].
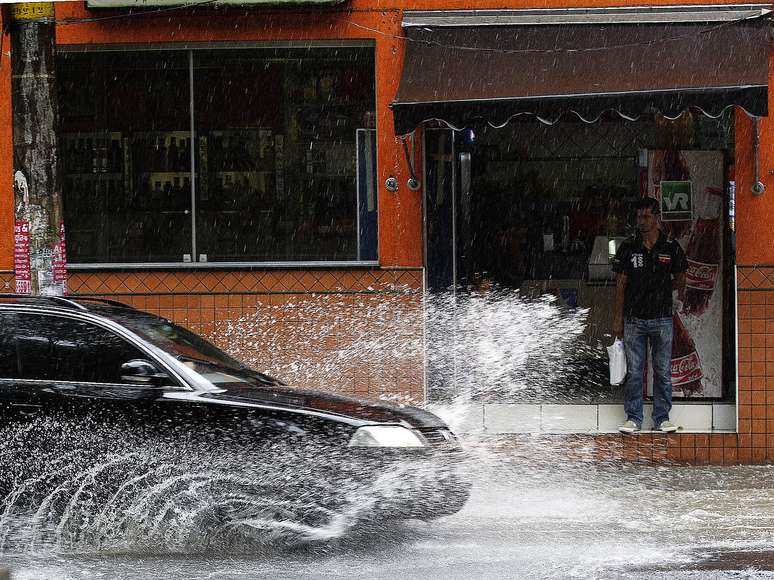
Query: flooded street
[532,514]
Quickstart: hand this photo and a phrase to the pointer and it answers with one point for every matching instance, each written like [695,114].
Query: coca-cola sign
[701,276]
[686,369]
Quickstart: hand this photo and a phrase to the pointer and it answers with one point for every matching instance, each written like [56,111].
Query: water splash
[92,489]
[494,345]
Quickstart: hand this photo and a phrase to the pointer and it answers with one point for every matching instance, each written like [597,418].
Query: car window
[45,347]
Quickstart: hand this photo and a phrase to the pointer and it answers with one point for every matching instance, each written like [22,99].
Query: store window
[550,203]
[250,155]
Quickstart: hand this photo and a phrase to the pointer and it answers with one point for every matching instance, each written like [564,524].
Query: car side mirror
[142,372]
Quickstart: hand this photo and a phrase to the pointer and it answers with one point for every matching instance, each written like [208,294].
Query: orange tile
[744,326]
[758,454]
[716,440]
[730,456]
[730,440]
[758,298]
[702,456]
[745,426]
[745,440]
[759,411]
[757,354]
[716,455]
[758,327]
[757,340]
[745,455]
[745,354]
[166,301]
[745,341]
[688,454]
[744,369]
[757,397]
[757,369]
[744,411]
[743,297]
[758,311]
[758,426]
[701,440]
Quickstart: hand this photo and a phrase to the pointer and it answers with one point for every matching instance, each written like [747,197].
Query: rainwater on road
[533,514]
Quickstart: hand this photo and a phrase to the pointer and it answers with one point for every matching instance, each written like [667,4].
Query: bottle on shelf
[91,148]
[156,195]
[185,154]
[159,155]
[172,157]
[116,156]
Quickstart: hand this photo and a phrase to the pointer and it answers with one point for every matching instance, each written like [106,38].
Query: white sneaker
[666,427]
[629,427]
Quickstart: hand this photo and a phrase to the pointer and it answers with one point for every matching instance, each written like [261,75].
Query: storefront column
[38,228]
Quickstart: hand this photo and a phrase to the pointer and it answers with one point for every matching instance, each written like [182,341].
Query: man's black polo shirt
[649,275]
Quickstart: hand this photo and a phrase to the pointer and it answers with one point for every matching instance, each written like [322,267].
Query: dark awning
[493,65]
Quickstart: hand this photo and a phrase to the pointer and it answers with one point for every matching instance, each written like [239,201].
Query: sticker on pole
[676,201]
[21,257]
[59,262]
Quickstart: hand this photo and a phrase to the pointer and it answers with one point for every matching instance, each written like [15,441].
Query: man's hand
[618,328]
[618,308]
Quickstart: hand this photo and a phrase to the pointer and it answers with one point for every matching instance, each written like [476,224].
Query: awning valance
[549,62]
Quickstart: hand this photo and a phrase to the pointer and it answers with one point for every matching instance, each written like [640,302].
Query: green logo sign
[676,201]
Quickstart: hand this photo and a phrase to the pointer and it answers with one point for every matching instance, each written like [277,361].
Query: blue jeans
[637,333]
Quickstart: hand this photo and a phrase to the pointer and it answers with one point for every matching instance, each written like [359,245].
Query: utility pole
[39,248]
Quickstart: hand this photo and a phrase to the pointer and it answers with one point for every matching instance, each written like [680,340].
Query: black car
[99,379]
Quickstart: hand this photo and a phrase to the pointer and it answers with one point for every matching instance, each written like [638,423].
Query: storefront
[542,128]
[221,162]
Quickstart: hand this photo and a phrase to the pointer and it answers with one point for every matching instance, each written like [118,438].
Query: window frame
[190,48]
[108,326]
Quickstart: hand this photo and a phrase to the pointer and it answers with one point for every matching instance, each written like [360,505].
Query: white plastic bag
[617,356]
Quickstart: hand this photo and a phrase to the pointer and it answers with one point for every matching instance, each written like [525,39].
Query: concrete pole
[39,250]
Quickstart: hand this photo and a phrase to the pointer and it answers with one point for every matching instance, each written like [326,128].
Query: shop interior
[542,208]
[218,155]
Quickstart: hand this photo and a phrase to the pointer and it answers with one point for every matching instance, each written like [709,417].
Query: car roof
[108,308]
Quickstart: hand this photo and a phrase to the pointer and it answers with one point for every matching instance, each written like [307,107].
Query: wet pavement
[533,514]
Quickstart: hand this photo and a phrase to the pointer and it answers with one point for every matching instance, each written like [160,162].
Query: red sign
[21,256]
[59,258]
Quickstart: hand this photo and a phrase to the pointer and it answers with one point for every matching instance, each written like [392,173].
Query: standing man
[648,267]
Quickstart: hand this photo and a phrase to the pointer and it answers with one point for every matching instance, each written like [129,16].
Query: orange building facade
[221,298]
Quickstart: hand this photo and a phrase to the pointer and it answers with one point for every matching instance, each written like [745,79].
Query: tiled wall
[357,332]
[360,332]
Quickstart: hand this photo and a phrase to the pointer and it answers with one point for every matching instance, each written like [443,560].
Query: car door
[57,364]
